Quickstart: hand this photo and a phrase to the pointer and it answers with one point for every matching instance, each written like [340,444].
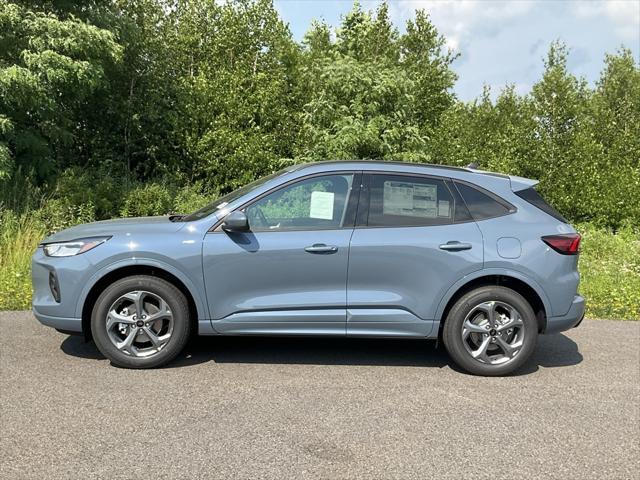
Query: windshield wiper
[176,218]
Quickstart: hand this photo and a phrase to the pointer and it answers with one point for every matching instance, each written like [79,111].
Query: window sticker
[321,205]
[410,199]
[397,198]
[443,208]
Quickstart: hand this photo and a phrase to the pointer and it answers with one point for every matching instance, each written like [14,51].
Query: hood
[116,226]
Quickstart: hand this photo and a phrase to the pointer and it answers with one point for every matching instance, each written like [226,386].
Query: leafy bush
[191,198]
[79,186]
[58,214]
[19,193]
[149,200]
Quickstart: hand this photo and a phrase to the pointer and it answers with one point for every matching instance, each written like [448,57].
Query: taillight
[567,244]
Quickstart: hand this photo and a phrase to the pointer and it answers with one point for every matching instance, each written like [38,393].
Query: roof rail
[388,162]
[470,168]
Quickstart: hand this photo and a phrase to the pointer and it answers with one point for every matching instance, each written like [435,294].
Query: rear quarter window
[482,204]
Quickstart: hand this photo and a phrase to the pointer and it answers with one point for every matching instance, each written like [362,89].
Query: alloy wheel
[493,332]
[139,323]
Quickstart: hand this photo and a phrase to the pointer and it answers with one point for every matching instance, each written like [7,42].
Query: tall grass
[609,264]
[19,237]
[610,272]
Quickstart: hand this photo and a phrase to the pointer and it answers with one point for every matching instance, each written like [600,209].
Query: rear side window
[408,201]
[535,199]
[482,205]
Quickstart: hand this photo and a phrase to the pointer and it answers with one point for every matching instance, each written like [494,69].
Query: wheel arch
[520,284]
[91,294]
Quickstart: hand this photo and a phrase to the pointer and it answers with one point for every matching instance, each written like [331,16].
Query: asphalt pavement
[318,408]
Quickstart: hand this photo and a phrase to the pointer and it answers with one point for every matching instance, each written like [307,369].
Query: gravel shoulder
[318,408]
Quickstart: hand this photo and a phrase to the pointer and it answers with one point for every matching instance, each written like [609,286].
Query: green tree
[99,97]
[50,70]
[133,118]
[496,135]
[366,93]
[234,67]
[614,128]
[565,157]
[427,60]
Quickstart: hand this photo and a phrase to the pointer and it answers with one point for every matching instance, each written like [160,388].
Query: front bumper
[59,323]
[71,274]
[572,319]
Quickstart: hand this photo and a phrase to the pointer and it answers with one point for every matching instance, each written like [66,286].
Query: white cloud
[624,14]
[460,20]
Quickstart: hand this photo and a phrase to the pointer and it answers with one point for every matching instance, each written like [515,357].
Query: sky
[501,42]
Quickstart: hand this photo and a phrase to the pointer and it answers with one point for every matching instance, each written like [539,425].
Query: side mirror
[236,222]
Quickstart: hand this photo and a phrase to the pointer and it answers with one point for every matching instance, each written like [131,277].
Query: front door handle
[321,248]
[455,246]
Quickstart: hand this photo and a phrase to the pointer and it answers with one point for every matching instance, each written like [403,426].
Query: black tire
[452,331]
[165,290]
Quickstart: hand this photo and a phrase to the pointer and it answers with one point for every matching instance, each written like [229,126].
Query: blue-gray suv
[356,249]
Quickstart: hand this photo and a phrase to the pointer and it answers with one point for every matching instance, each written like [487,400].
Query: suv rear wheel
[490,331]
[140,322]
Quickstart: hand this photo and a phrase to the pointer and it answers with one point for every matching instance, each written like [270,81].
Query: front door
[288,274]
[413,241]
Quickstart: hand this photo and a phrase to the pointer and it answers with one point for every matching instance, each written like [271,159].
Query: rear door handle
[321,248]
[455,246]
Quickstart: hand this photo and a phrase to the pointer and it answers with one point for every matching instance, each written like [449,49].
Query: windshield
[229,197]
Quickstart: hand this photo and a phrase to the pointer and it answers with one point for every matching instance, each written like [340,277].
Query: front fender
[201,306]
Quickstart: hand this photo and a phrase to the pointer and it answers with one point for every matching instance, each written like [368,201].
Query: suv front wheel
[140,322]
[490,331]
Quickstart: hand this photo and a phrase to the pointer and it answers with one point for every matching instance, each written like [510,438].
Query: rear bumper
[570,320]
[59,323]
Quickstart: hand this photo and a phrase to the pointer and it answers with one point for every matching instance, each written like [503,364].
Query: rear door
[413,240]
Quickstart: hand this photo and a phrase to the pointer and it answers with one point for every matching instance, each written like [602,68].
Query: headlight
[74,247]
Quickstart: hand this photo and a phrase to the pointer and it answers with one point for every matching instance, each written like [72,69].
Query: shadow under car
[551,351]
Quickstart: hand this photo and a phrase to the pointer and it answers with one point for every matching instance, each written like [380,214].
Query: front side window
[311,204]
[408,201]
